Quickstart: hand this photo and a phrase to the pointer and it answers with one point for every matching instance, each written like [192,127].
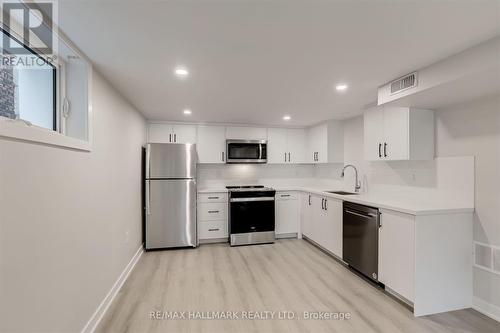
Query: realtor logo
[32,23]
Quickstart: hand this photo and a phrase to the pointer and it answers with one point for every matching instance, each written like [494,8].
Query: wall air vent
[406,82]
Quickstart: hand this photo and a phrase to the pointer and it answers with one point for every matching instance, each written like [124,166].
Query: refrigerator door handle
[148,157]
[148,198]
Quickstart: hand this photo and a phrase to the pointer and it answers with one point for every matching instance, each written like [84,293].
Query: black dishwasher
[360,238]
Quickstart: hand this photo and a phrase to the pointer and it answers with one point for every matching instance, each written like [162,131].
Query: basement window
[45,99]
[28,87]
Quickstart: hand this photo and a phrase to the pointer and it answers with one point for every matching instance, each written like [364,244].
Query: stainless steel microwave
[246,151]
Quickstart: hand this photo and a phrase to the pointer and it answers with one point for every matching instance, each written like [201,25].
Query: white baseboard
[106,302]
[486,308]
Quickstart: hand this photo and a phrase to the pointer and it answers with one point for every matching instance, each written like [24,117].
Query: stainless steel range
[251,214]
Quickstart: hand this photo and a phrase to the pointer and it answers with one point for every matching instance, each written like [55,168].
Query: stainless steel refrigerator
[170,196]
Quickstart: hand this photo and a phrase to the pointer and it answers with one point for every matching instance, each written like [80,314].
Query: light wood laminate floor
[290,275]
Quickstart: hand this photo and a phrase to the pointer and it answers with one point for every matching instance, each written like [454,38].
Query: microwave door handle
[260,151]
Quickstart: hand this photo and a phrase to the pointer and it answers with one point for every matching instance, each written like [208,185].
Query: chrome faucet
[357,185]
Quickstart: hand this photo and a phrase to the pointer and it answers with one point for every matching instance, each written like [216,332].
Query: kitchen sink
[342,192]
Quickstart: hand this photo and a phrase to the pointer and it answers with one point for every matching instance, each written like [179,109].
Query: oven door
[246,151]
[251,215]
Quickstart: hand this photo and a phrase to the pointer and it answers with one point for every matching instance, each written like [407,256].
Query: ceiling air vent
[406,82]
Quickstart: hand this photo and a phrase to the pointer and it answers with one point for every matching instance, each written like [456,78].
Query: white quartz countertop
[415,205]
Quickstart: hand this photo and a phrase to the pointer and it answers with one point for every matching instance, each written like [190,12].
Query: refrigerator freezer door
[170,160]
[170,213]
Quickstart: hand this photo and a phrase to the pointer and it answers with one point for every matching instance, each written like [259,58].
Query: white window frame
[21,130]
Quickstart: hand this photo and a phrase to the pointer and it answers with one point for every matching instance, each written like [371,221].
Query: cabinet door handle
[326,204]
[170,138]
[380,150]
[213,197]
[309,200]
[288,157]
[222,156]
[322,203]
[284,195]
[175,137]
[285,157]
[385,149]
[214,229]
[213,211]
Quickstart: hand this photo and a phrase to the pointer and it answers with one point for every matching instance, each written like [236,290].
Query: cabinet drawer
[212,229]
[287,195]
[212,197]
[212,211]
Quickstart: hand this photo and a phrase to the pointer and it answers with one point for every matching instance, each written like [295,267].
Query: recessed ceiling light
[341,87]
[287,117]
[187,112]
[181,72]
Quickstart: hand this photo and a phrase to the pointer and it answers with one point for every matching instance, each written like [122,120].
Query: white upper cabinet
[286,145]
[277,145]
[169,133]
[184,133]
[211,144]
[326,143]
[317,145]
[297,145]
[373,134]
[246,133]
[159,133]
[398,133]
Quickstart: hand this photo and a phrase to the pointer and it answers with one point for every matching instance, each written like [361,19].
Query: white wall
[474,129]
[70,220]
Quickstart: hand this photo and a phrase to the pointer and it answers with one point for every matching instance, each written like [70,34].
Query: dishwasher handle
[364,215]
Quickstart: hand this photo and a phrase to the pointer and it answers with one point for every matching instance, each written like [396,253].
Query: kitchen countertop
[413,206]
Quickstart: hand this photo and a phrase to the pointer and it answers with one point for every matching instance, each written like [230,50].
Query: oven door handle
[251,199]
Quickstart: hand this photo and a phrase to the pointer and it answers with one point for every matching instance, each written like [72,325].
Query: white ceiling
[254,61]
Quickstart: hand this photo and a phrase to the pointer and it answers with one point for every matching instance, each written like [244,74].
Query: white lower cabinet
[327,225]
[424,259]
[306,215]
[212,230]
[212,211]
[287,214]
[332,226]
[321,222]
[427,259]
[212,217]
[396,263]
